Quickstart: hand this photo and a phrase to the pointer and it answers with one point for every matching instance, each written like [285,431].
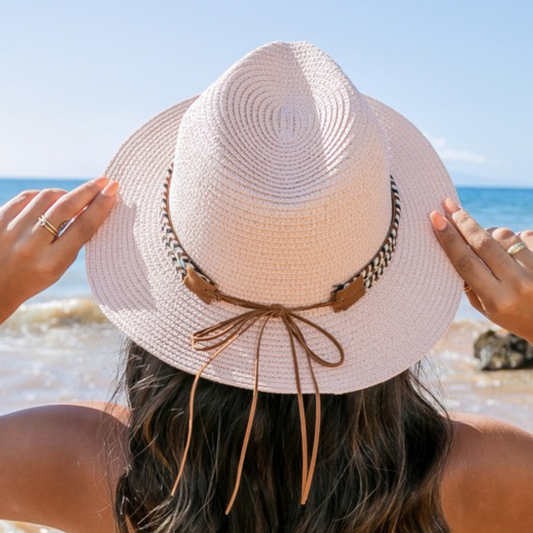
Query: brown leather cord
[249,425]
[232,329]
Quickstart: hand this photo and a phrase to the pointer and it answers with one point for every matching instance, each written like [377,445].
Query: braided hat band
[343,296]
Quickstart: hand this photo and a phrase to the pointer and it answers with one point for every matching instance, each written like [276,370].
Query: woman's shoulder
[59,462]
[488,480]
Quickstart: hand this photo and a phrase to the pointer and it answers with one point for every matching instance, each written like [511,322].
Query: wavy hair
[380,461]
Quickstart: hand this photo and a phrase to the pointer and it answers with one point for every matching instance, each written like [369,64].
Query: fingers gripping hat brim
[389,329]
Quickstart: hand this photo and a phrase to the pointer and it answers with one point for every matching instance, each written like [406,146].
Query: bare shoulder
[488,482]
[60,464]
[100,410]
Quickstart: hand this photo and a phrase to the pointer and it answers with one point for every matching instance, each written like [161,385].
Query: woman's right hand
[32,257]
[501,284]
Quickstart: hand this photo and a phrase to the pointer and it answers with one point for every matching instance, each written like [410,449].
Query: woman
[281,180]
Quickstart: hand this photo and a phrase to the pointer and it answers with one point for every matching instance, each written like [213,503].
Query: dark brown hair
[380,461]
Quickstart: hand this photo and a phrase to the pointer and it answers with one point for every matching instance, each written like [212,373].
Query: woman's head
[272,234]
[381,453]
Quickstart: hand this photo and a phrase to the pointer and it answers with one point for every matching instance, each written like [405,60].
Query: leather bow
[230,330]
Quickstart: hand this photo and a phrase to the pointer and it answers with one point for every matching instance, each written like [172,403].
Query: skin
[502,285]
[53,465]
[31,258]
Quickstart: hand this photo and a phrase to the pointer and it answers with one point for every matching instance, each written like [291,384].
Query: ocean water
[59,347]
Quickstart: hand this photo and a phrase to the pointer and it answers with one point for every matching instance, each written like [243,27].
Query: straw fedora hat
[285,214]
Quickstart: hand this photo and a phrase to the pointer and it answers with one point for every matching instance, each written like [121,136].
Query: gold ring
[467,288]
[515,248]
[46,224]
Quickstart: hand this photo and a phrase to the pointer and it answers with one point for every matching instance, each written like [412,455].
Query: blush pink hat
[272,232]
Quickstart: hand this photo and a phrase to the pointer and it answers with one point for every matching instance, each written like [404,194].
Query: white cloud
[447,153]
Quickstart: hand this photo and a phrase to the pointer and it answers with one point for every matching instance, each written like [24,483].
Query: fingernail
[438,221]
[101,182]
[450,206]
[111,189]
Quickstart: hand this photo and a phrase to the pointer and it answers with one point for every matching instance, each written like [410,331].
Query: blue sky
[76,78]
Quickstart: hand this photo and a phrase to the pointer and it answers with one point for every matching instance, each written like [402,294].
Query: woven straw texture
[280,191]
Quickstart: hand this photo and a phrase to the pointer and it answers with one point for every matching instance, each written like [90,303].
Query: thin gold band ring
[515,248]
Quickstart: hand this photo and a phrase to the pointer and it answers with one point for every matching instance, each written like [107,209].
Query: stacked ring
[45,223]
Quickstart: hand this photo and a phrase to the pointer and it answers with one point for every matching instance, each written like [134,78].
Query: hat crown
[281,155]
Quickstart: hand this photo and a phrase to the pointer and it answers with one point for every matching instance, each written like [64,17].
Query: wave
[43,316]
[60,313]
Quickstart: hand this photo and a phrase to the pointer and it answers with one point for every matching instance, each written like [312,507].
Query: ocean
[58,347]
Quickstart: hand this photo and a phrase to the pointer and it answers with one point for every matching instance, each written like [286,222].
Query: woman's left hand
[498,285]
[32,257]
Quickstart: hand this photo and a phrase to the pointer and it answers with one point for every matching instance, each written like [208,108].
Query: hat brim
[392,327]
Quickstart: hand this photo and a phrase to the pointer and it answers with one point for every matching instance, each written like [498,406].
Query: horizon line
[473,185]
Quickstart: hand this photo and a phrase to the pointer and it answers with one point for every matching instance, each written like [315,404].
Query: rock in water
[498,352]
